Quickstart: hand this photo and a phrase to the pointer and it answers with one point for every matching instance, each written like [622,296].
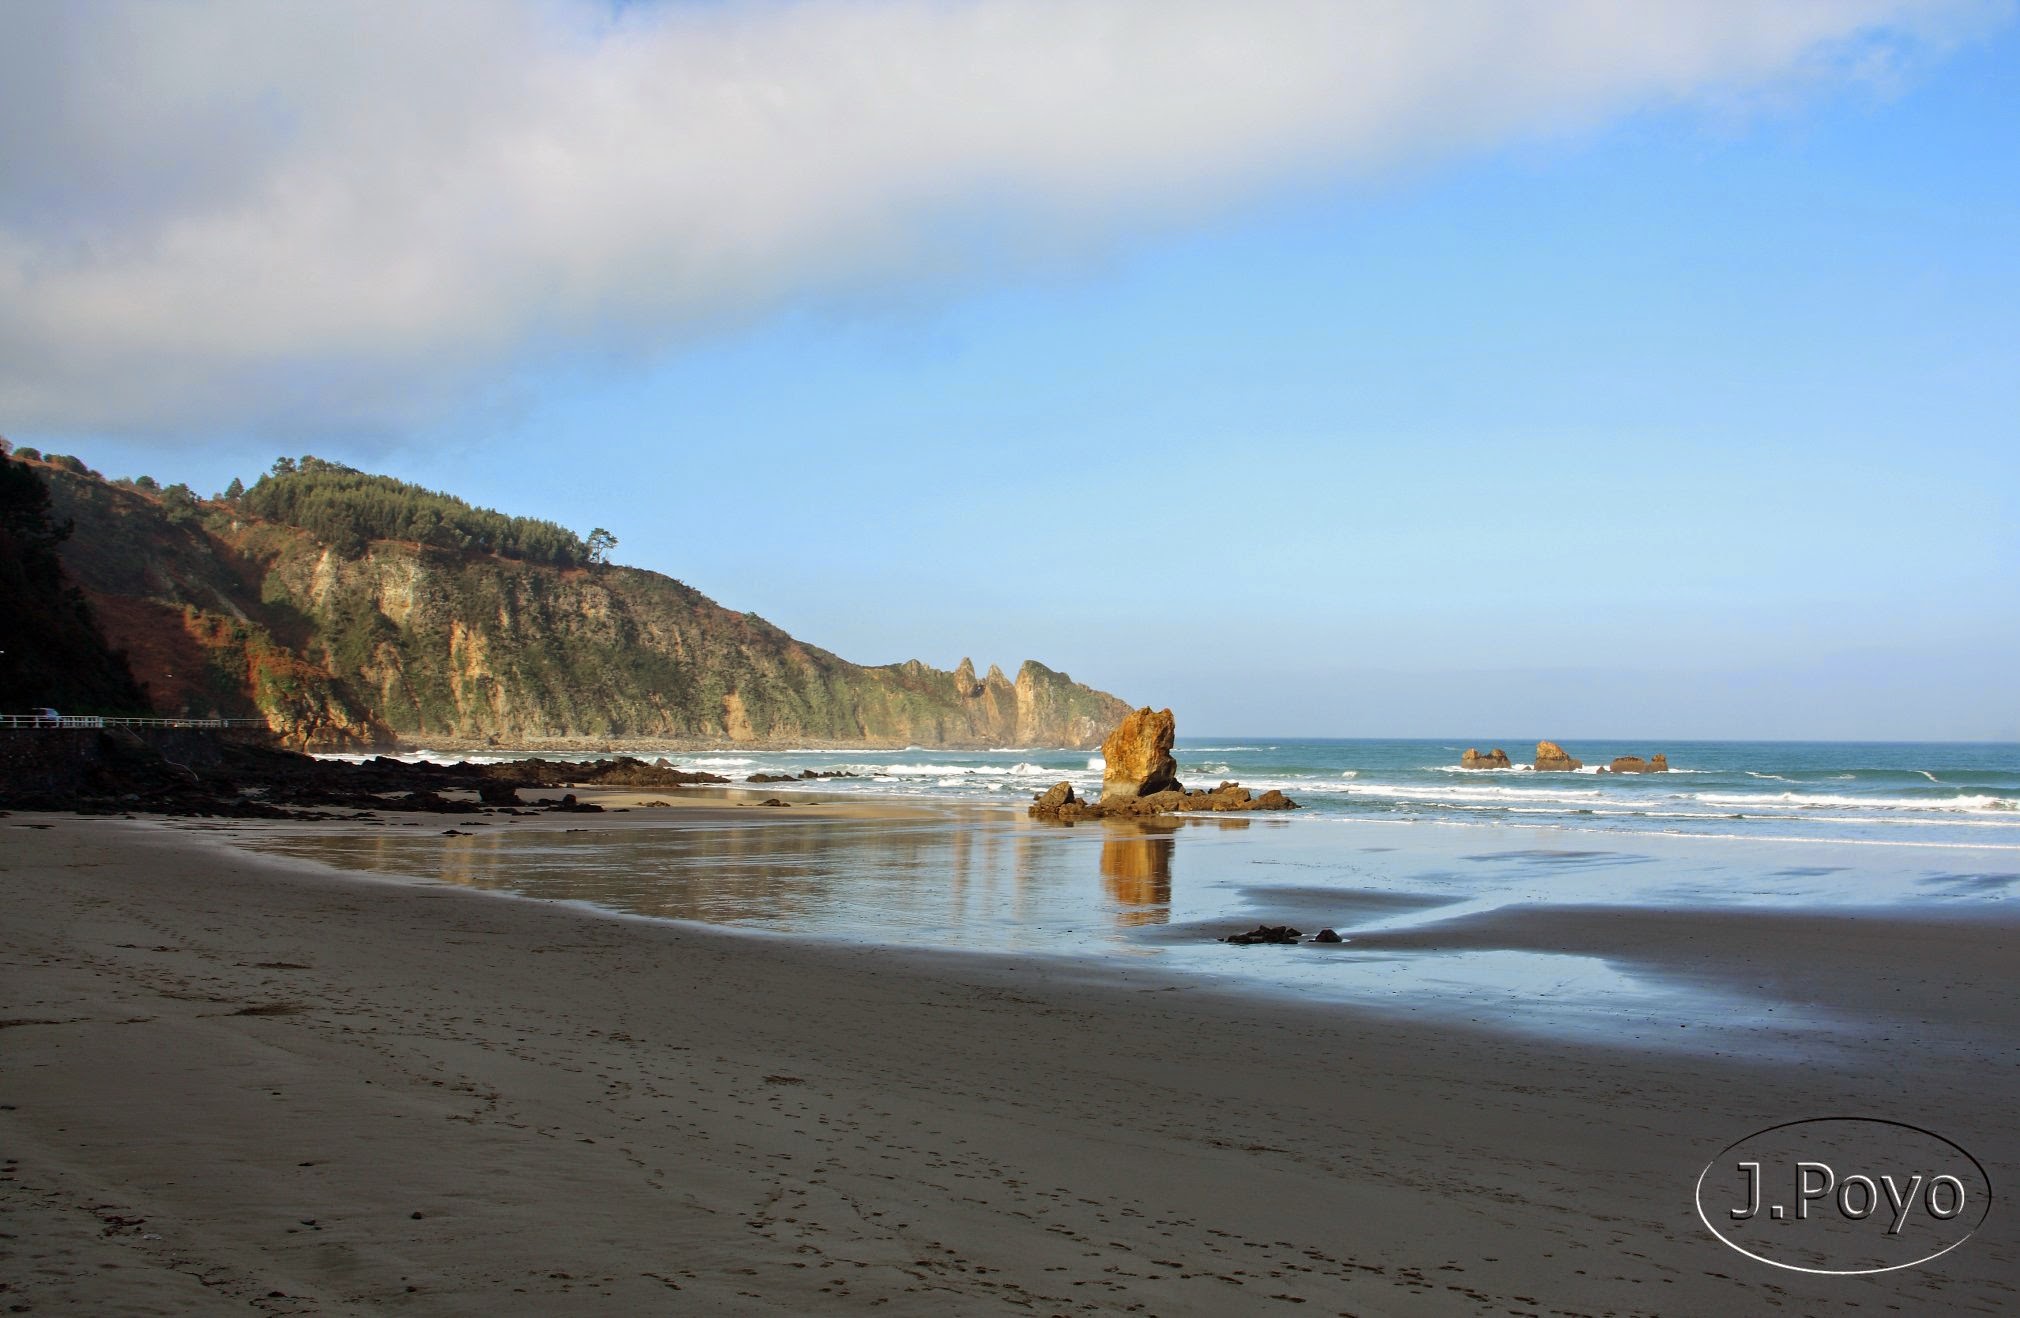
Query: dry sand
[227,1083]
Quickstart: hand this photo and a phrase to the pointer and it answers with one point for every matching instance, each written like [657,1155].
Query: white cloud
[242,214]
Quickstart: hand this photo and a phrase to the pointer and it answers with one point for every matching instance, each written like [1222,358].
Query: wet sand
[229,1082]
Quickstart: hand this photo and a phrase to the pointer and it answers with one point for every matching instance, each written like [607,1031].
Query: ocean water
[1915,793]
[1396,847]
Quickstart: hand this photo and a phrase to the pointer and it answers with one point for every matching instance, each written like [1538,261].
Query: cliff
[52,652]
[340,638]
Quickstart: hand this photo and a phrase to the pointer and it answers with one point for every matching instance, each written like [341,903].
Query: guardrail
[108,721]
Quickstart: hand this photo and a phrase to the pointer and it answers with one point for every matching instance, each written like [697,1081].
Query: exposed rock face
[1635,764]
[1494,759]
[1550,757]
[1139,759]
[346,645]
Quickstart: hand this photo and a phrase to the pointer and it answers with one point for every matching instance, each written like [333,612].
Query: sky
[1336,369]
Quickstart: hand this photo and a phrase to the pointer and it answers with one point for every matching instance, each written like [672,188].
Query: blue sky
[1688,421]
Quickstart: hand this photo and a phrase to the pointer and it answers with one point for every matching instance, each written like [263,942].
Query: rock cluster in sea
[1061,804]
[1552,758]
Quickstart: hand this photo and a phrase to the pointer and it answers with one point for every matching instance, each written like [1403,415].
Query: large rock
[1139,759]
[1552,757]
[1494,759]
[1635,764]
[1059,794]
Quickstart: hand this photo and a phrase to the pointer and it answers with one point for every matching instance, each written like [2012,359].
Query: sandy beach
[229,1082]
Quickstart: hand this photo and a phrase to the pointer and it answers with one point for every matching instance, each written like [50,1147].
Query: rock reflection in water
[1136,871]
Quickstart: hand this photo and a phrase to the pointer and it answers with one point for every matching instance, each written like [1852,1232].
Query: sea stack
[1138,755]
[1552,758]
[1494,759]
[1635,764]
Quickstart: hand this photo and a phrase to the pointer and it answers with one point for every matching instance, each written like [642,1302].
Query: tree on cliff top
[348,508]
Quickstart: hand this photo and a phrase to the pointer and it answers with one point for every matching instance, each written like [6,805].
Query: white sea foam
[1472,792]
[957,773]
[1807,800]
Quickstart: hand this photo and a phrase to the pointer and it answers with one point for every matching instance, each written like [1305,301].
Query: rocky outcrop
[1060,805]
[344,645]
[1494,759]
[1141,779]
[1138,756]
[1659,763]
[1552,758]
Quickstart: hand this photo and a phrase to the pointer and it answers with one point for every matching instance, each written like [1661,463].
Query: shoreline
[231,1077]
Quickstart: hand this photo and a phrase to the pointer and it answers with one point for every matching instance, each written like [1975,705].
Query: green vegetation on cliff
[347,509]
[348,608]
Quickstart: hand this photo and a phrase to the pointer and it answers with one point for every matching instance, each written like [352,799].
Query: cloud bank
[248,215]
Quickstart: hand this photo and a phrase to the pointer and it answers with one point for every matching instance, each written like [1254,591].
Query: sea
[1416,863]
[1921,793]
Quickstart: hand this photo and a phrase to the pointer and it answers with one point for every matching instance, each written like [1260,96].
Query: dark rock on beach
[1276,934]
[243,775]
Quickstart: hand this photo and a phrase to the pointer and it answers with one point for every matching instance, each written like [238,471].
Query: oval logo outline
[1697,1197]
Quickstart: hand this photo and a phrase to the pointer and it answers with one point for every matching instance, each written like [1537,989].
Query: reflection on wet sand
[1136,871]
[994,881]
